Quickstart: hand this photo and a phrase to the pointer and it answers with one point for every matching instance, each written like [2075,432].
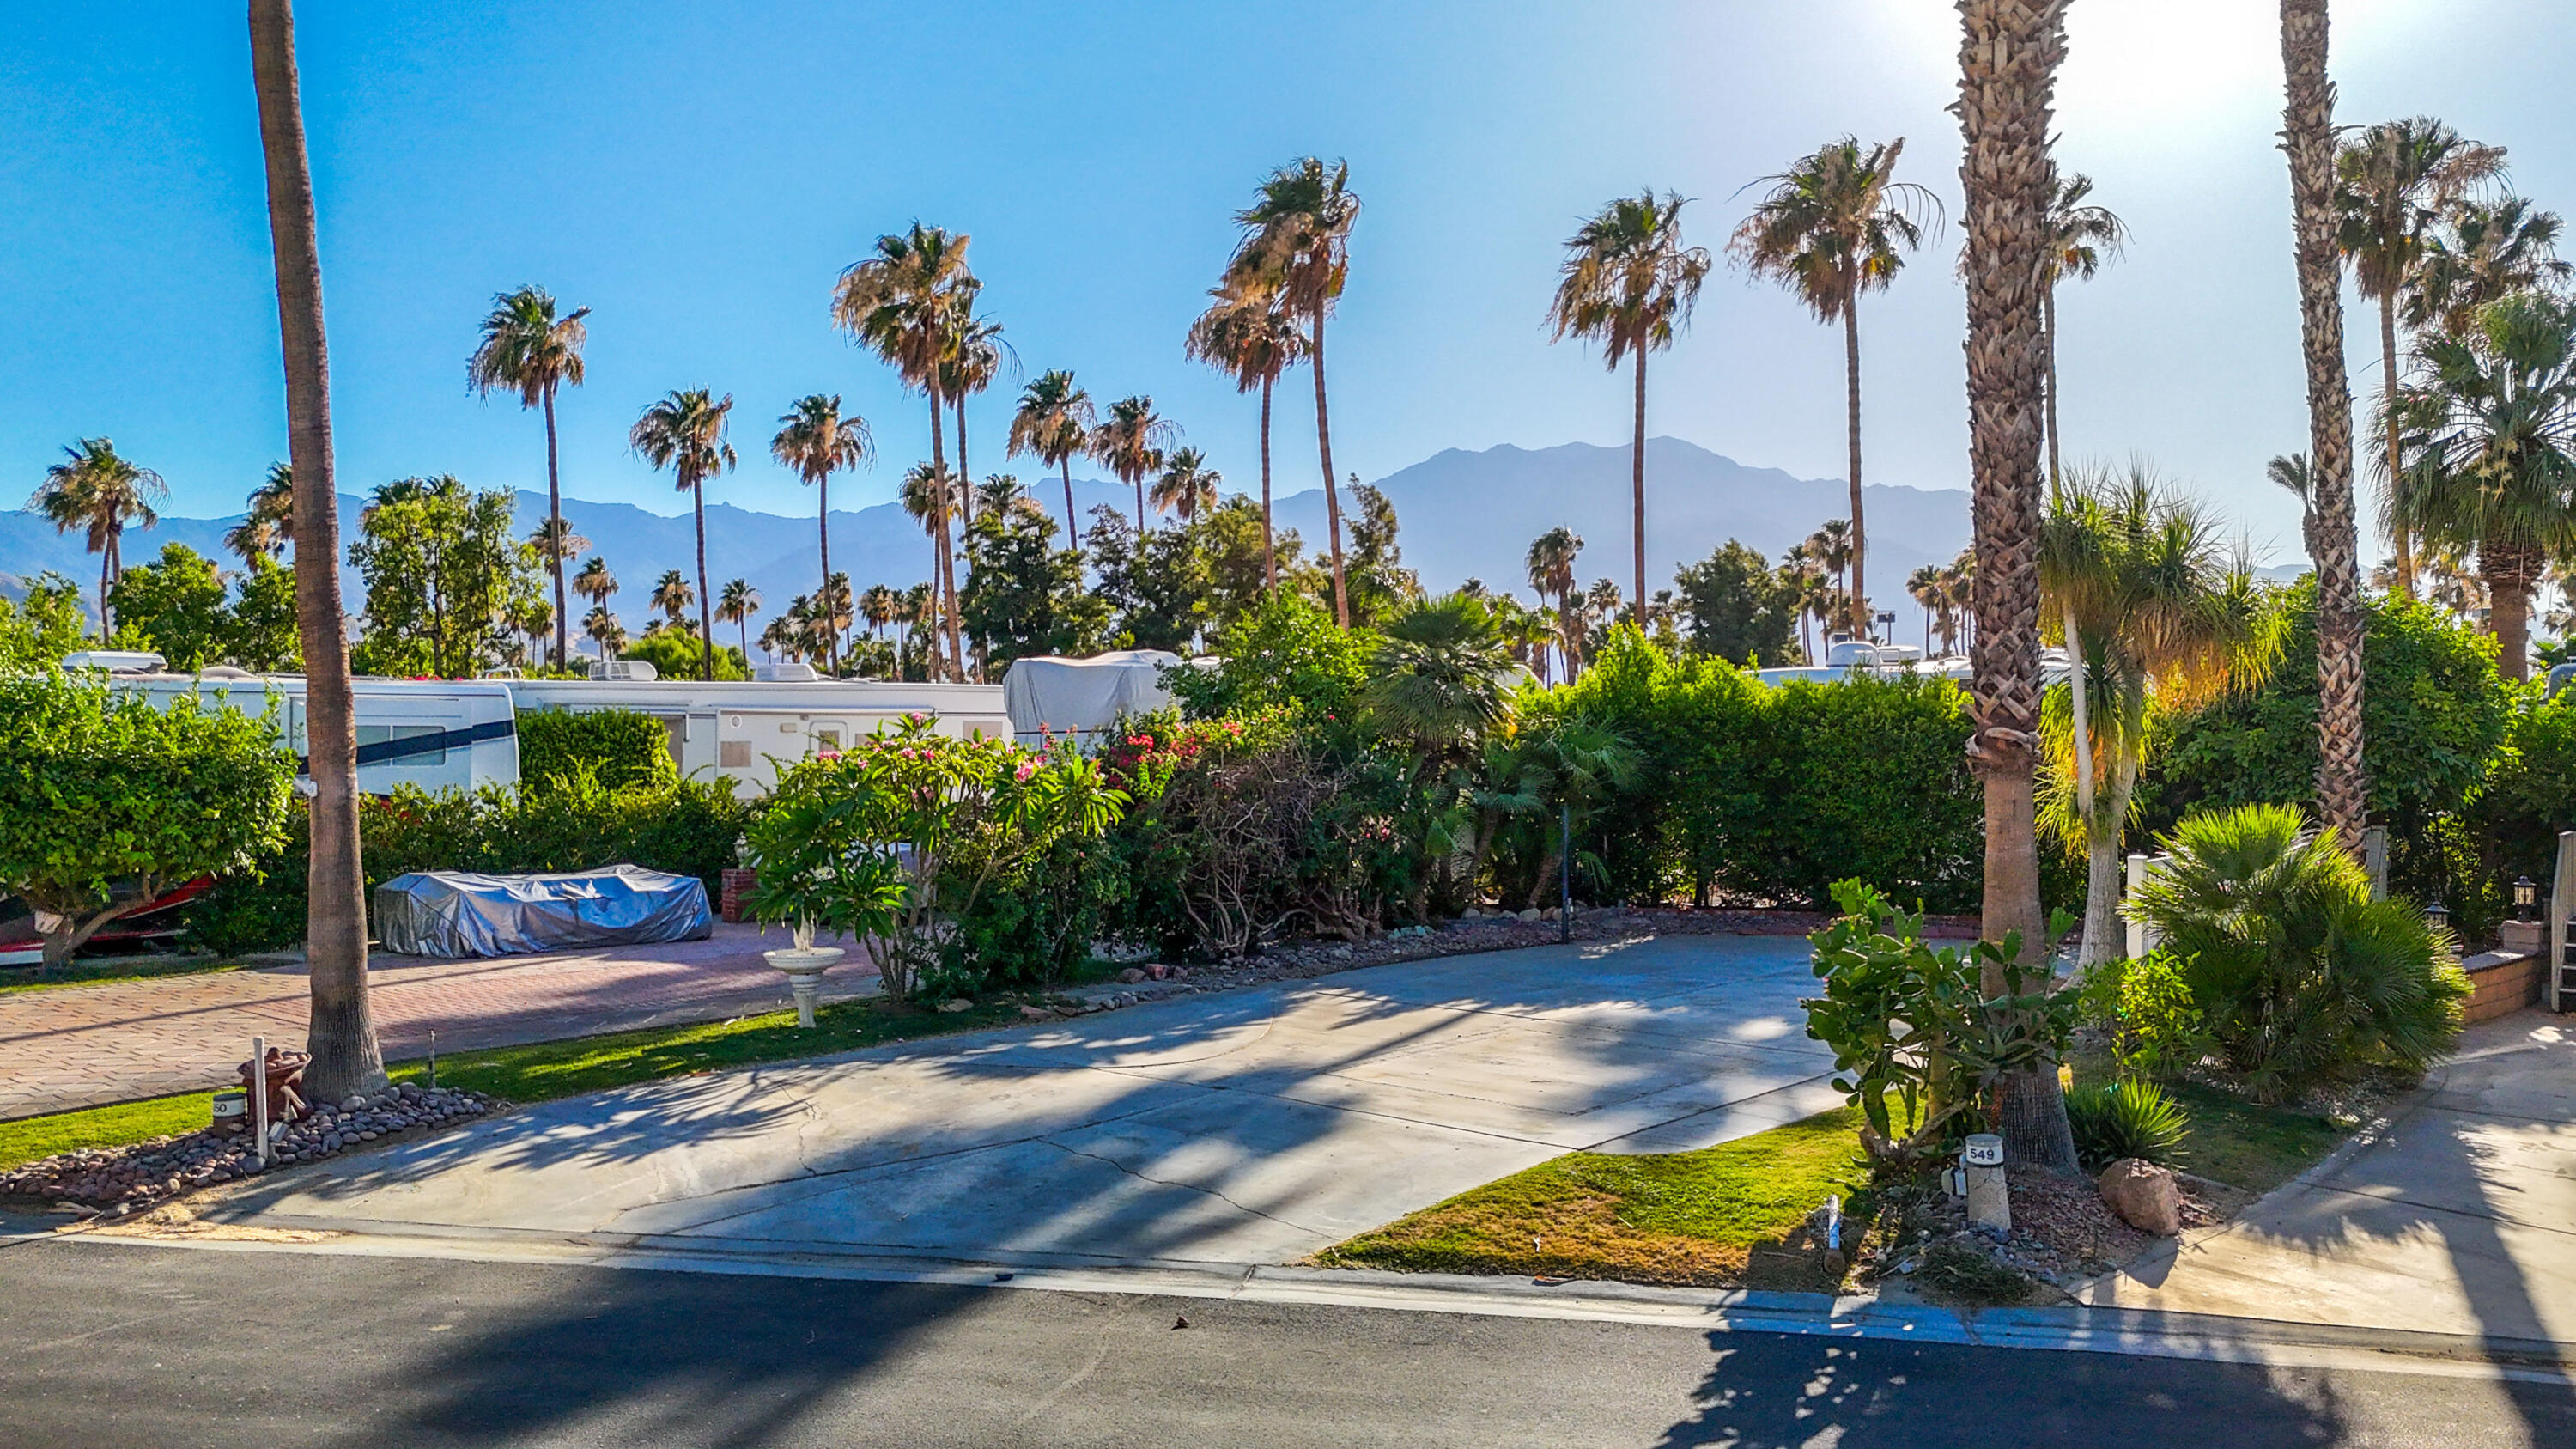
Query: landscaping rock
[2144,1195]
[1036,1013]
[956,1004]
[1132,975]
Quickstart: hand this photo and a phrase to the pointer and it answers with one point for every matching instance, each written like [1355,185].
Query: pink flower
[828,755]
[1026,769]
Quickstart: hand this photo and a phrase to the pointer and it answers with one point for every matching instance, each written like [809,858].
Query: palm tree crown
[1188,486]
[99,491]
[1053,423]
[1248,334]
[1628,282]
[815,441]
[268,524]
[1832,227]
[2483,251]
[1129,442]
[528,350]
[685,433]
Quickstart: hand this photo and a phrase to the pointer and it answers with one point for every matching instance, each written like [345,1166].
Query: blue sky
[699,174]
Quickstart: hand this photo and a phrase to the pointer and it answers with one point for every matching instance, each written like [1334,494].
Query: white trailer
[744,731]
[433,733]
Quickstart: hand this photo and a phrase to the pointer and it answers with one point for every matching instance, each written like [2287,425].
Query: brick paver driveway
[119,1041]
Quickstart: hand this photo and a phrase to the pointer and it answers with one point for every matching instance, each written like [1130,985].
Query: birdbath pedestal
[804,967]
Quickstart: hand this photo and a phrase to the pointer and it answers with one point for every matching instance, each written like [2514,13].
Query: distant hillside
[1463,515]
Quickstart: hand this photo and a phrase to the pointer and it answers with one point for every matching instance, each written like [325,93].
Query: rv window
[379,734]
[827,739]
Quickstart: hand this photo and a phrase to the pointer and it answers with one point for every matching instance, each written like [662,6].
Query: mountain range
[1462,514]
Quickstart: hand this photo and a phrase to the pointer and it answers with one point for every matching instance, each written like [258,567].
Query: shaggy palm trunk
[1332,495]
[342,1036]
[965,475]
[555,530]
[943,584]
[1072,530]
[2308,135]
[2512,571]
[2400,536]
[2008,59]
[1637,483]
[1859,606]
[1269,561]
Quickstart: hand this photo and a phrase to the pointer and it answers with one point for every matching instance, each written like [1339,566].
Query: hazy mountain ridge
[1464,514]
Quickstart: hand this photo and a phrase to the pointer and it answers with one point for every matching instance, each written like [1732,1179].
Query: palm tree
[917,612]
[1835,549]
[603,628]
[1053,423]
[1834,226]
[685,432]
[1924,586]
[877,608]
[342,1036]
[2308,136]
[268,524]
[2155,616]
[778,637]
[929,495]
[2483,251]
[1246,334]
[816,441]
[2394,181]
[902,302]
[97,490]
[2289,472]
[974,359]
[555,542]
[2008,58]
[1627,282]
[595,582]
[1296,245]
[526,349]
[2495,453]
[672,595]
[2081,235]
[1188,485]
[1551,575]
[1129,443]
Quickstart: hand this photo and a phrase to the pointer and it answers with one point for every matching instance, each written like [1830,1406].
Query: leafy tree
[1832,227]
[1242,553]
[107,801]
[1285,652]
[1740,608]
[176,607]
[37,632]
[1379,585]
[1023,595]
[442,565]
[1627,282]
[1156,584]
[674,654]
[528,350]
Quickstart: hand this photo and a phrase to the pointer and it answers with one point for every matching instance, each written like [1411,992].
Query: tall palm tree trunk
[943,586]
[2511,571]
[2307,134]
[1072,529]
[2008,58]
[2048,333]
[1851,407]
[823,533]
[1269,560]
[554,530]
[2400,536]
[342,1036]
[1332,492]
[706,609]
[965,476]
[106,563]
[1637,484]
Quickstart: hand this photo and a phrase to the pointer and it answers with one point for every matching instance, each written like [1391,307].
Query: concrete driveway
[1247,1127]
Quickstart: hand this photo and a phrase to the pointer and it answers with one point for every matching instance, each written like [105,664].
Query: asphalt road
[104,1345]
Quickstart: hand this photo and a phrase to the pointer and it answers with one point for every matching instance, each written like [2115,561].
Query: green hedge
[621,746]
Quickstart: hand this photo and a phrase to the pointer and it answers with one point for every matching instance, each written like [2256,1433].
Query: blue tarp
[453,913]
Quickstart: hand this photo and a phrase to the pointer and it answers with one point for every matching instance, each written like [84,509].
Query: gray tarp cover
[460,913]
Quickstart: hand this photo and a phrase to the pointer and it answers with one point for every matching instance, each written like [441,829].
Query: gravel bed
[115,1181]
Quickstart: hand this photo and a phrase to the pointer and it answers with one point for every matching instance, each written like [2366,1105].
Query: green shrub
[621,747]
[2299,975]
[2126,1119]
[674,654]
[2146,1007]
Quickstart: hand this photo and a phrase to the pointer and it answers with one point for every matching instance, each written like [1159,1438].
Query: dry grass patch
[1730,1216]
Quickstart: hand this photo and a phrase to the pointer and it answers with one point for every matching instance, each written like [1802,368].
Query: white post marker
[1989,1200]
[259,1096]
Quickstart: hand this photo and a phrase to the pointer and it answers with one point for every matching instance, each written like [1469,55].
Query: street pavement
[122,1041]
[1254,1126]
[108,1346]
[2459,1218]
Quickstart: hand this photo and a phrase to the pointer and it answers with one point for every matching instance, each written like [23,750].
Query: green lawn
[1726,1216]
[548,1069]
[2231,1140]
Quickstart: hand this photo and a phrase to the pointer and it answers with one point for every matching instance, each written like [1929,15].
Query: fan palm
[2483,251]
[1924,587]
[735,606]
[1248,335]
[929,495]
[902,302]
[1187,486]
[2081,236]
[268,523]
[603,628]
[1053,423]
[877,608]
[1129,443]
[2308,137]
[816,441]
[685,432]
[1551,575]
[2155,616]
[2494,457]
[528,350]
[1296,245]
[595,582]
[672,595]
[2009,53]
[1834,548]
[974,358]
[1628,282]
[99,491]
[554,541]
[2393,182]
[1832,227]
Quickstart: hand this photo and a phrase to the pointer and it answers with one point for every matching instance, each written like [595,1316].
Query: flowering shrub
[898,838]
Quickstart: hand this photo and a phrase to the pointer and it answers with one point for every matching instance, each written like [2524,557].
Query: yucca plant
[2299,974]
[2126,1119]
